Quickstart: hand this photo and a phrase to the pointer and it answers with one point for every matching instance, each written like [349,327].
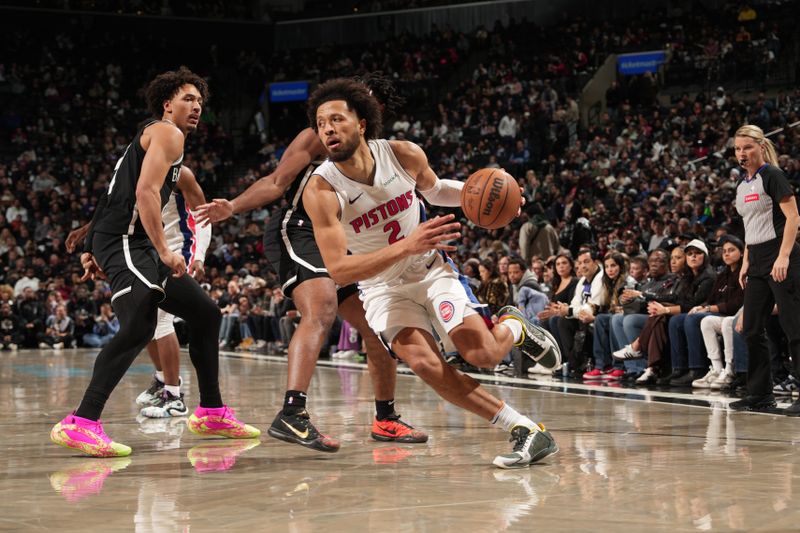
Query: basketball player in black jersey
[290,247]
[126,242]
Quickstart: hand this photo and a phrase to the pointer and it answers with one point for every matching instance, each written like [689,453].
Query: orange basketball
[490,198]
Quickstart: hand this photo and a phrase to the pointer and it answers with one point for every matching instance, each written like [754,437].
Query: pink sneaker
[593,374]
[615,374]
[220,421]
[86,436]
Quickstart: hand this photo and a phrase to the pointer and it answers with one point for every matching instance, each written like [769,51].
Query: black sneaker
[537,343]
[298,429]
[686,379]
[756,404]
[794,409]
[664,381]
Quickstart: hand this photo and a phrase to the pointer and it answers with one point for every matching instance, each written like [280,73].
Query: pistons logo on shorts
[446,310]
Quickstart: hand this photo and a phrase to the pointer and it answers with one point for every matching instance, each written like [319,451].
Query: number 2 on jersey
[393,227]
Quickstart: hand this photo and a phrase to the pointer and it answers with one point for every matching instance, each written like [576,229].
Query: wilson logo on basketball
[447,310]
[751,198]
[494,195]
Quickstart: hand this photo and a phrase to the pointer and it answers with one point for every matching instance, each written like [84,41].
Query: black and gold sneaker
[298,429]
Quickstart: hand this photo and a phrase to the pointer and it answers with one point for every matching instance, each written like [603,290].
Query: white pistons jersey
[378,215]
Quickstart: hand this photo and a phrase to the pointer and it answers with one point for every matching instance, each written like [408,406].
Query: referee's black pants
[138,312]
[760,295]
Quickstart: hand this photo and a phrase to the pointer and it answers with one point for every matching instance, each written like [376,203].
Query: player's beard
[345,150]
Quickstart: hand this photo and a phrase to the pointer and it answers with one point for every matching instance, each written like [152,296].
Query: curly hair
[383,89]
[167,85]
[358,99]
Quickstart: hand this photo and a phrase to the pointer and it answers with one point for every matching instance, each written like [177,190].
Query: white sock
[160,376]
[175,390]
[716,365]
[516,328]
[507,417]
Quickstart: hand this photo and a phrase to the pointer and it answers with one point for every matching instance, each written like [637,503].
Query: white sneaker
[44,346]
[705,381]
[58,346]
[13,346]
[167,406]
[540,371]
[627,352]
[502,368]
[724,379]
[647,375]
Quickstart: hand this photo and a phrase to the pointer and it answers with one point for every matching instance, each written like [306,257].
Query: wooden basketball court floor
[629,460]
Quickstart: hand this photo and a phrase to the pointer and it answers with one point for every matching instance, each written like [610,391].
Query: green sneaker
[529,447]
[537,343]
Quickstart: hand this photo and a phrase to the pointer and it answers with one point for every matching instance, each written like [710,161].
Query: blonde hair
[757,134]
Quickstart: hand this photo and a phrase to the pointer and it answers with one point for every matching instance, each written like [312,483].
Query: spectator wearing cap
[687,348]
[694,283]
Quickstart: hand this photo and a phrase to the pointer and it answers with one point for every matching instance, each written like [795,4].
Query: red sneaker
[593,374]
[395,430]
[615,374]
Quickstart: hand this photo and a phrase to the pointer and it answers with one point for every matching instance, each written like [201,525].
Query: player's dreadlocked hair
[358,99]
[384,90]
[167,85]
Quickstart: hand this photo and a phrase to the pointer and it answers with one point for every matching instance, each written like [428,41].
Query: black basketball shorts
[293,253]
[128,258]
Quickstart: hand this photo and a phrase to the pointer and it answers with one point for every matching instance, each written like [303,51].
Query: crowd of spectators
[646,176]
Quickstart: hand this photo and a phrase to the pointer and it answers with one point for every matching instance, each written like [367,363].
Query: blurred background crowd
[619,201]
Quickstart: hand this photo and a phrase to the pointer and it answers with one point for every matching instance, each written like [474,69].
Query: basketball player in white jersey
[363,200]
[184,237]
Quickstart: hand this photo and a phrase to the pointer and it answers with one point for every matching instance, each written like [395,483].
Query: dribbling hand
[217,210]
[432,235]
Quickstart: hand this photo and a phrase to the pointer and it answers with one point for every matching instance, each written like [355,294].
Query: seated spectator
[692,286]
[106,325]
[574,319]
[625,327]
[526,292]
[562,290]
[615,281]
[33,315]
[725,299]
[11,328]
[493,291]
[59,330]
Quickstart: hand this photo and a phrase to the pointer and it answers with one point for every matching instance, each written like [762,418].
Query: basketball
[490,198]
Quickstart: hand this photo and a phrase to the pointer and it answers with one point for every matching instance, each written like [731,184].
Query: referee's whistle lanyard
[748,179]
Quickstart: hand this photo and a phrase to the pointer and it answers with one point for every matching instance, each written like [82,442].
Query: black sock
[384,409]
[294,402]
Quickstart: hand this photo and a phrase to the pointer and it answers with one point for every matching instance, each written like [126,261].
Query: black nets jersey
[295,214]
[120,215]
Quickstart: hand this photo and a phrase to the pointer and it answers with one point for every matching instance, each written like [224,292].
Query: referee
[771,269]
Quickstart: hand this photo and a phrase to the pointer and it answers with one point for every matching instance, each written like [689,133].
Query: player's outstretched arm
[304,149]
[322,206]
